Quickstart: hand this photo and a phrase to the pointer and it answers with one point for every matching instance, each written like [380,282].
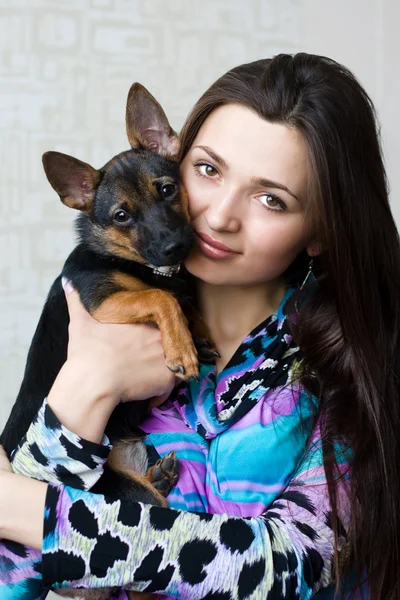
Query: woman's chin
[212,273]
[202,268]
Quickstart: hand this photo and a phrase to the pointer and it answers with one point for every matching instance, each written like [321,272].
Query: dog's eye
[121,216]
[168,190]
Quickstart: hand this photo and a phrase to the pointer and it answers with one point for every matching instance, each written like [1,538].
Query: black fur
[90,267]
[157,224]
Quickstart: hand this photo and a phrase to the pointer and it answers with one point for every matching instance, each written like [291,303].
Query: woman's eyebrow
[261,181]
[272,184]
[218,159]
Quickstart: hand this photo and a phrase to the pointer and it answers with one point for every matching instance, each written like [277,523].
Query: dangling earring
[310,266]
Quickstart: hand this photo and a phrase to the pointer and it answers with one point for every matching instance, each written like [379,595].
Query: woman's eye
[205,169]
[271,202]
[121,216]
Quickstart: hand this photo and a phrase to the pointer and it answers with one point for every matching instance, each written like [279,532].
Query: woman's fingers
[77,312]
[67,286]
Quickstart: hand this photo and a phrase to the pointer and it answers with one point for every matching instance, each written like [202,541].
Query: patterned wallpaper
[65,70]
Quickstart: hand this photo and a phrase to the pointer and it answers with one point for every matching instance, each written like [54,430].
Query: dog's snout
[163,247]
[164,235]
[175,248]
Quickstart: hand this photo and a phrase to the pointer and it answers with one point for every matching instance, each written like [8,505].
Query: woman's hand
[125,361]
[106,364]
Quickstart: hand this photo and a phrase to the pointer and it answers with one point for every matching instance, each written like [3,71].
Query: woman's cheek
[196,201]
[271,242]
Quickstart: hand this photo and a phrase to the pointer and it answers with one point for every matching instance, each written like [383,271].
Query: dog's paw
[185,364]
[206,350]
[164,474]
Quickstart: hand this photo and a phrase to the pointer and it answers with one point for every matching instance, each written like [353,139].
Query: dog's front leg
[162,308]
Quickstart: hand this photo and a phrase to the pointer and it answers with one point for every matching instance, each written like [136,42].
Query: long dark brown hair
[348,329]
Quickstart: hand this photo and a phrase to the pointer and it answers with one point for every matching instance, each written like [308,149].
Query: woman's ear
[313,249]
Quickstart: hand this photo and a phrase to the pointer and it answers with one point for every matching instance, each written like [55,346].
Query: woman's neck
[231,313]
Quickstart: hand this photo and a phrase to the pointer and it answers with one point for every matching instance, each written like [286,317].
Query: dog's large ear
[147,125]
[73,180]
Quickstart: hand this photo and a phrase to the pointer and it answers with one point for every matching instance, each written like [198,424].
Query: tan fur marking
[126,198]
[148,183]
[129,283]
[119,242]
[116,463]
[124,160]
[184,201]
[162,308]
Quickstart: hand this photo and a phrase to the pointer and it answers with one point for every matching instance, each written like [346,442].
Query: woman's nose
[223,214]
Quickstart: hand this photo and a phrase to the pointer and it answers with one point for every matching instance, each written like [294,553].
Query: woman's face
[246,179]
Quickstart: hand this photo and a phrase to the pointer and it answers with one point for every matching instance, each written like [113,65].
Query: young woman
[290,444]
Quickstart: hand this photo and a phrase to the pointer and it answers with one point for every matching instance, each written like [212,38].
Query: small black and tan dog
[133,231]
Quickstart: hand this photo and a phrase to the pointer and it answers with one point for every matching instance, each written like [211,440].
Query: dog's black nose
[174,249]
[168,244]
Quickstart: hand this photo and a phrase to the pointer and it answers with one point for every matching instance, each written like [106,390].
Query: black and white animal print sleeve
[284,554]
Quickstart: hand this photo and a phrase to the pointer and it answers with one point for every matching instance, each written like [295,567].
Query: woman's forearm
[22,502]
[79,403]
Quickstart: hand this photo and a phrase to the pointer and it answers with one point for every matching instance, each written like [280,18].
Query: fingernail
[67,285]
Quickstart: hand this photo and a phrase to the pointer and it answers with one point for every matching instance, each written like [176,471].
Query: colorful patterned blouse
[250,513]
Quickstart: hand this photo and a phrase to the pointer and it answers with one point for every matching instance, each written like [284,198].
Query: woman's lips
[213,248]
